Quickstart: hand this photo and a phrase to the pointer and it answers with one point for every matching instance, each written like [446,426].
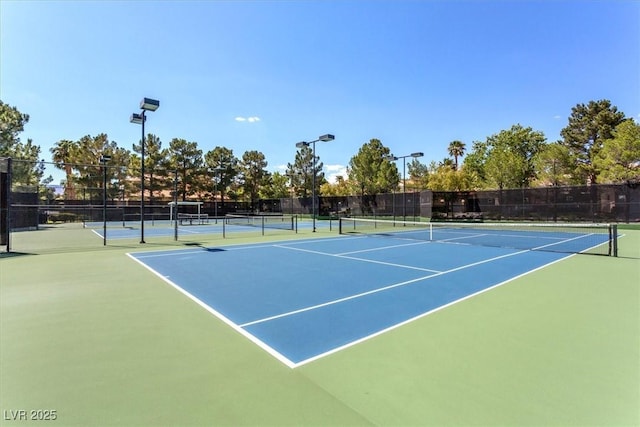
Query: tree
[119,184]
[505,168]
[64,154]
[186,159]
[340,188]
[277,187]
[442,177]
[448,163]
[155,165]
[456,149]
[474,162]
[302,172]
[619,157]
[27,169]
[589,126]
[419,174]
[89,173]
[553,165]
[509,156]
[253,173]
[12,123]
[225,166]
[371,171]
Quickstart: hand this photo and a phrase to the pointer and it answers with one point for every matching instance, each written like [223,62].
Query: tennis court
[220,227]
[301,300]
[374,326]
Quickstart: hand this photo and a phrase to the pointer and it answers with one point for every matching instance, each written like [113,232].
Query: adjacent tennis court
[301,300]
[202,226]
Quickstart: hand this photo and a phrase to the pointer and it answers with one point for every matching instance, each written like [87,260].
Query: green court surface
[94,338]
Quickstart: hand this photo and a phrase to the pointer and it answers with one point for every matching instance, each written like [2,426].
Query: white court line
[337,301]
[231,247]
[568,240]
[284,359]
[421,242]
[409,267]
[374,291]
[470,235]
[397,325]
[220,316]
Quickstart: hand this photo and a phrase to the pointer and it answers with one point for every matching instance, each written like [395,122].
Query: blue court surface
[302,300]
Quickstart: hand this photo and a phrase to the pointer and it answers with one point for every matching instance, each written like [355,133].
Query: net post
[262,218]
[5,203]
[339,225]
[614,238]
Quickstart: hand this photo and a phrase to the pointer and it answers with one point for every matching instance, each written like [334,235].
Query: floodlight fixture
[149,104]
[326,138]
[137,118]
[302,144]
[418,154]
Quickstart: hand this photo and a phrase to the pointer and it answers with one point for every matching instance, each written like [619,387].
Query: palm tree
[447,163]
[456,149]
[64,153]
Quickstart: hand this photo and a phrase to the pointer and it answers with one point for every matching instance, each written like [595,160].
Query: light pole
[103,161]
[323,138]
[215,190]
[291,176]
[147,104]
[404,178]
[175,205]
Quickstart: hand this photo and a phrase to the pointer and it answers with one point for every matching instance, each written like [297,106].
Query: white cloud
[252,119]
[333,171]
[557,117]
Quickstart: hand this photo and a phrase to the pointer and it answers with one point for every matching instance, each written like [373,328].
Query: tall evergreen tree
[12,122]
[223,166]
[301,172]
[253,173]
[371,171]
[186,159]
[589,126]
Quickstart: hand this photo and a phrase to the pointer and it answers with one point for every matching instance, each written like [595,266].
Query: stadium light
[324,138]
[391,158]
[147,104]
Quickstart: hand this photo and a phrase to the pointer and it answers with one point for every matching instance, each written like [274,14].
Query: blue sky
[414,74]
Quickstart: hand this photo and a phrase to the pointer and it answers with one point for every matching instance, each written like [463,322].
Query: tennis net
[280,222]
[600,239]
